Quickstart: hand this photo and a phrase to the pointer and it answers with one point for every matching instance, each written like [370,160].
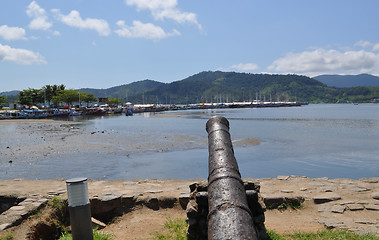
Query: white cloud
[34,10]
[21,56]
[12,33]
[363,44]
[153,4]
[40,23]
[324,61]
[143,30]
[165,9]
[245,67]
[241,67]
[40,19]
[74,19]
[376,47]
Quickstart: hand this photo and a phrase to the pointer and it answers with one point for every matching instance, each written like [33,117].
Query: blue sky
[101,44]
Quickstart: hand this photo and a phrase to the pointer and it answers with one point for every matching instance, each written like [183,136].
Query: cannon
[229,216]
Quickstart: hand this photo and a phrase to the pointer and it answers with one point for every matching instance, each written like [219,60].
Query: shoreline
[99,111]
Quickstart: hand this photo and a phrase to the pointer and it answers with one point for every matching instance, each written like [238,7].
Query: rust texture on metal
[229,215]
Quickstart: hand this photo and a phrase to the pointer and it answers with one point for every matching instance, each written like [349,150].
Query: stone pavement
[16,214]
[335,203]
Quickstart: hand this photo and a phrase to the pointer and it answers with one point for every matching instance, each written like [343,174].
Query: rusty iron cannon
[229,216]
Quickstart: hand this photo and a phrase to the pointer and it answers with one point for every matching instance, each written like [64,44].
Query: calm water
[316,141]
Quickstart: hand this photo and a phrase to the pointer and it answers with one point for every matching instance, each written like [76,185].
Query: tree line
[3,101]
[54,95]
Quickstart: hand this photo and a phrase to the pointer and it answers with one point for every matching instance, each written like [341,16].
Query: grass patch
[273,235]
[322,235]
[61,215]
[36,214]
[282,206]
[9,236]
[177,230]
[295,204]
[290,204]
[97,235]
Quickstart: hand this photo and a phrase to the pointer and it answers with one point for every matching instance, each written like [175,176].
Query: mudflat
[44,149]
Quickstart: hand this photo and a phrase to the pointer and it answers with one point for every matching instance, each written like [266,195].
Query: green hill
[220,86]
[344,81]
[124,91]
[10,93]
[231,86]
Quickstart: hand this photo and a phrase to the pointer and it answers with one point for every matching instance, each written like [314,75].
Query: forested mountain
[125,90]
[343,81]
[233,87]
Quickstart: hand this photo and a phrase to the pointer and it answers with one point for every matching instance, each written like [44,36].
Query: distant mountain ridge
[217,86]
[9,93]
[117,92]
[125,90]
[210,86]
[343,81]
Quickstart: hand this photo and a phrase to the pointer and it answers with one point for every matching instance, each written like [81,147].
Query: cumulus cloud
[34,10]
[367,44]
[241,67]
[21,56]
[363,44]
[12,33]
[143,30]
[245,67]
[40,19]
[73,19]
[39,23]
[165,9]
[323,61]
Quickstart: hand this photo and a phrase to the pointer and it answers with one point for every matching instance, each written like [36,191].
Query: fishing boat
[75,113]
[128,112]
[34,113]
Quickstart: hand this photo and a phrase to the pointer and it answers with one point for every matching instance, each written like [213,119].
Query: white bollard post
[79,208]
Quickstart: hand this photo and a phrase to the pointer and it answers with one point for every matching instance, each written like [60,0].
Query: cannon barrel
[229,216]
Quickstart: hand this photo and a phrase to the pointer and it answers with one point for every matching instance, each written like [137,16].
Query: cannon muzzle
[229,216]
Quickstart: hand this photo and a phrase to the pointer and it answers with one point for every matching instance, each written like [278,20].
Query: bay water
[318,140]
